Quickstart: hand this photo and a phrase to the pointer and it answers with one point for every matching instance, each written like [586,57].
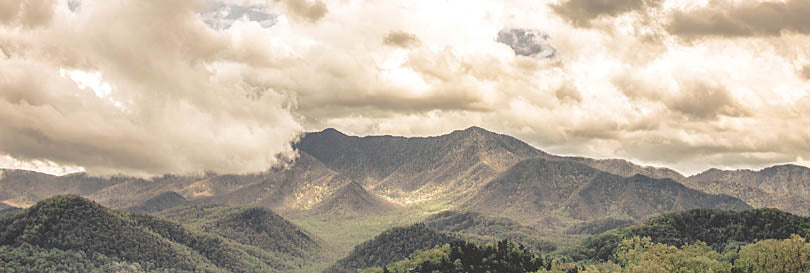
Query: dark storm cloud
[525,42]
[581,12]
[726,19]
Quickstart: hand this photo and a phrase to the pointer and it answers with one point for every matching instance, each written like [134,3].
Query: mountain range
[474,169]
[341,190]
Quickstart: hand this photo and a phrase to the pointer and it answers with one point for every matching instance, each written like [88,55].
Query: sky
[148,87]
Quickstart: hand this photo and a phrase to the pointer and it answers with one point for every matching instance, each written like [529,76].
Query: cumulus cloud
[527,42]
[222,15]
[154,86]
[401,39]
[581,12]
[740,19]
[139,87]
[28,14]
[310,10]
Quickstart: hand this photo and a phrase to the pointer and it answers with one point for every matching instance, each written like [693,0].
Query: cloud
[806,72]
[527,42]
[310,11]
[749,18]
[581,12]
[28,14]
[222,15]
[401,39]
[148,87]
[93,91]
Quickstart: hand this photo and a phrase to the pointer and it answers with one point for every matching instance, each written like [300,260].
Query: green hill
[484,229]
[392,245]
[717,228]
[252,226]
[78,235]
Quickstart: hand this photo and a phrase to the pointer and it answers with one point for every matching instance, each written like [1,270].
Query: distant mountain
[163,201]
[252,226]
[392,245]
[542,188]
[785,187]
[628,169]
[98,238]
[21,188]
[420,168]
[383,175]
[718,228]
[483,229]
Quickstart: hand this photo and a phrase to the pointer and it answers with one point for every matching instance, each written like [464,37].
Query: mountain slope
[420,168]
[484,229]
[163,201]
[540,188]
[253,226]
[785,187]
[353,200]
[71,223]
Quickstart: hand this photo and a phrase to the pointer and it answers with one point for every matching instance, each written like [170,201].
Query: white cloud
[243,78]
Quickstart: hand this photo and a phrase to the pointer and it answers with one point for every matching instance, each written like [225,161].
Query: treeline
[701,240]
[392,245]
[633,255]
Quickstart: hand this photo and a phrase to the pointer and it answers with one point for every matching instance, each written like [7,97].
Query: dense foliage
[483,229]
[392,245]
[252,226]
[70,231]
[717,228]
[599,226]
[503,256]
[633,255]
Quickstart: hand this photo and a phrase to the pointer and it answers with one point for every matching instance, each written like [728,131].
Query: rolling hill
[71,227]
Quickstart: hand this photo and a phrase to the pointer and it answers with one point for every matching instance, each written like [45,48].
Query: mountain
[252,226]
[628,169]
[392,245]
[420,168]
[483,229]
[99,238]
[542,188]
[21,188]
[786,187]
[349,176]
[717,228]
[353,200]
[163,201]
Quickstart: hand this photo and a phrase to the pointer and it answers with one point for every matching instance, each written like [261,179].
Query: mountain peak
[332,131]
[477,129]
[64,203]
[787,167]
